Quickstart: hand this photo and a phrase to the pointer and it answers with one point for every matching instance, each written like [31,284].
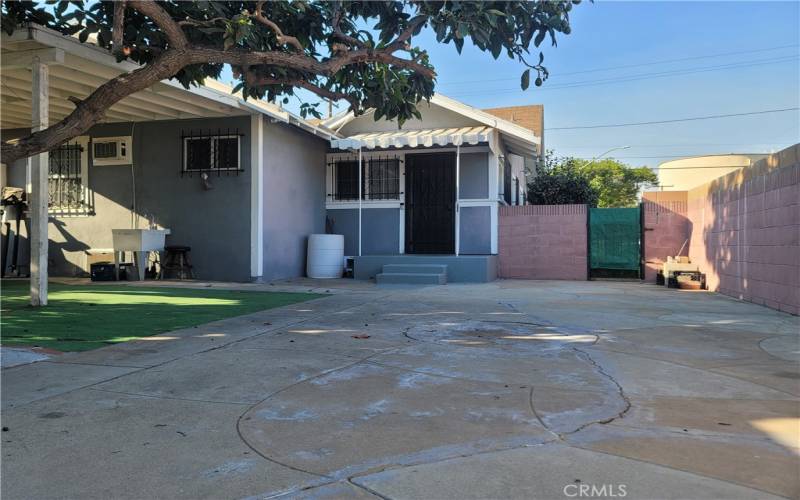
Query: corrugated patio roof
[77,69]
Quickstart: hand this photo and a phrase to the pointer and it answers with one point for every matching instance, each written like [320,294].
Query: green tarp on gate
[614,238]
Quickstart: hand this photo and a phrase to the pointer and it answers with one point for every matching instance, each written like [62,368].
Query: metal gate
[615,242]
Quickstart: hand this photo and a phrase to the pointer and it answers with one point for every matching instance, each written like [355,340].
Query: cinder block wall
[546,242]
[666,229]
[745,231]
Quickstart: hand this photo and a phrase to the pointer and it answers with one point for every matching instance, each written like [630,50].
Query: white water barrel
[325,256]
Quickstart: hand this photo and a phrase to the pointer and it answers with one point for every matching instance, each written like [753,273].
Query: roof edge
[505,126]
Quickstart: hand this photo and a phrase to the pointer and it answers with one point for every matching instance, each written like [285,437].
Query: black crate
[102,271]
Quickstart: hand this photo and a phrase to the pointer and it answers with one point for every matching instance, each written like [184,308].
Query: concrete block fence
[743,230]
[545,242]
[666,229]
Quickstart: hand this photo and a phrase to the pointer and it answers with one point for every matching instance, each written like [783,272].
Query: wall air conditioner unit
[112,150]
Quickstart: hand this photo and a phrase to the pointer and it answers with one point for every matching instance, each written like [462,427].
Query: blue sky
[611,34]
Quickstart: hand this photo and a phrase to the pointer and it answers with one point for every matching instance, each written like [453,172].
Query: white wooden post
[38,198]
[256,197]
[458,195]
[359,201]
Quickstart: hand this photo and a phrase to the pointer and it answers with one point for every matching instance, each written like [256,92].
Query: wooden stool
[177,263]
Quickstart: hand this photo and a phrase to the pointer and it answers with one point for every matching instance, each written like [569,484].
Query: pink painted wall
[666,229]
[745,231]
[545,242]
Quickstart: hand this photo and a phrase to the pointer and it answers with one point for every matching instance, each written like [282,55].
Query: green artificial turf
[83,317]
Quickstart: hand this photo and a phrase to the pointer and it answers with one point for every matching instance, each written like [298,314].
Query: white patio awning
[76,69]
[416,138]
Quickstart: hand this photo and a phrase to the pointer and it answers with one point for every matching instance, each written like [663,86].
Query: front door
[430,203]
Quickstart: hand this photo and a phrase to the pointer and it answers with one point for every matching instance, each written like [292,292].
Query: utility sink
[139,240]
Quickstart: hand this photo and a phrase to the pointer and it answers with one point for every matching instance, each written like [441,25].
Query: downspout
[359,200]
[458,195]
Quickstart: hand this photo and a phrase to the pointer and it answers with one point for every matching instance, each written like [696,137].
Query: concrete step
[415,268]
[411,278]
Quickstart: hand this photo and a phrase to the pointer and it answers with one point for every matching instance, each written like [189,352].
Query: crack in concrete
[367,489]
[694,433]
[539,418]
[620,392]
[599,369]
[707,369]
[275,393]
[170,398]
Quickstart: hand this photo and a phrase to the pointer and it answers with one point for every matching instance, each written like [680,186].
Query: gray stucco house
[243,183]
[240,182]
[430,191]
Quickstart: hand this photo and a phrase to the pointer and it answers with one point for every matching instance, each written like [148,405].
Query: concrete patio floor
[511,389]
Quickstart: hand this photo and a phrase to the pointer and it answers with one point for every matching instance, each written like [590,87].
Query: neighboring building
[530,117]
[687,173]
[430,188]
[243,183]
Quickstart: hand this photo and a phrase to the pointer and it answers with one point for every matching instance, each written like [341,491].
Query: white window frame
[212,151]
[86,209]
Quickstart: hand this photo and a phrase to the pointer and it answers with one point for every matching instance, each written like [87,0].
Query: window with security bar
[65,182]
[380,179]
[212,152]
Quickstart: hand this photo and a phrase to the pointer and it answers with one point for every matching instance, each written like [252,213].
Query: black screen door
[430,200]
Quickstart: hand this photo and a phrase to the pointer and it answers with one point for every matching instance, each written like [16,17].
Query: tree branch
[304,63]
[195,22]
[163,20]
[180,54]
[282,39]
[400,41]
[118,29]
[254,80]
[338,33]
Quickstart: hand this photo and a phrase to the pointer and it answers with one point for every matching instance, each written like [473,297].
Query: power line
[695,168]
[641,76]
[694,118]
[683,145]
[653,63]
[693,155]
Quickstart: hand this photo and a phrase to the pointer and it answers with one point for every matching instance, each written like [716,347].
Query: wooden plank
[25,58]
[58,101]
[63,87]
[62,108]
[83,70]
[64,78]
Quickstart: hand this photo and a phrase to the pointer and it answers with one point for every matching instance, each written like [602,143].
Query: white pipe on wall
[359,201]
[458,181]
